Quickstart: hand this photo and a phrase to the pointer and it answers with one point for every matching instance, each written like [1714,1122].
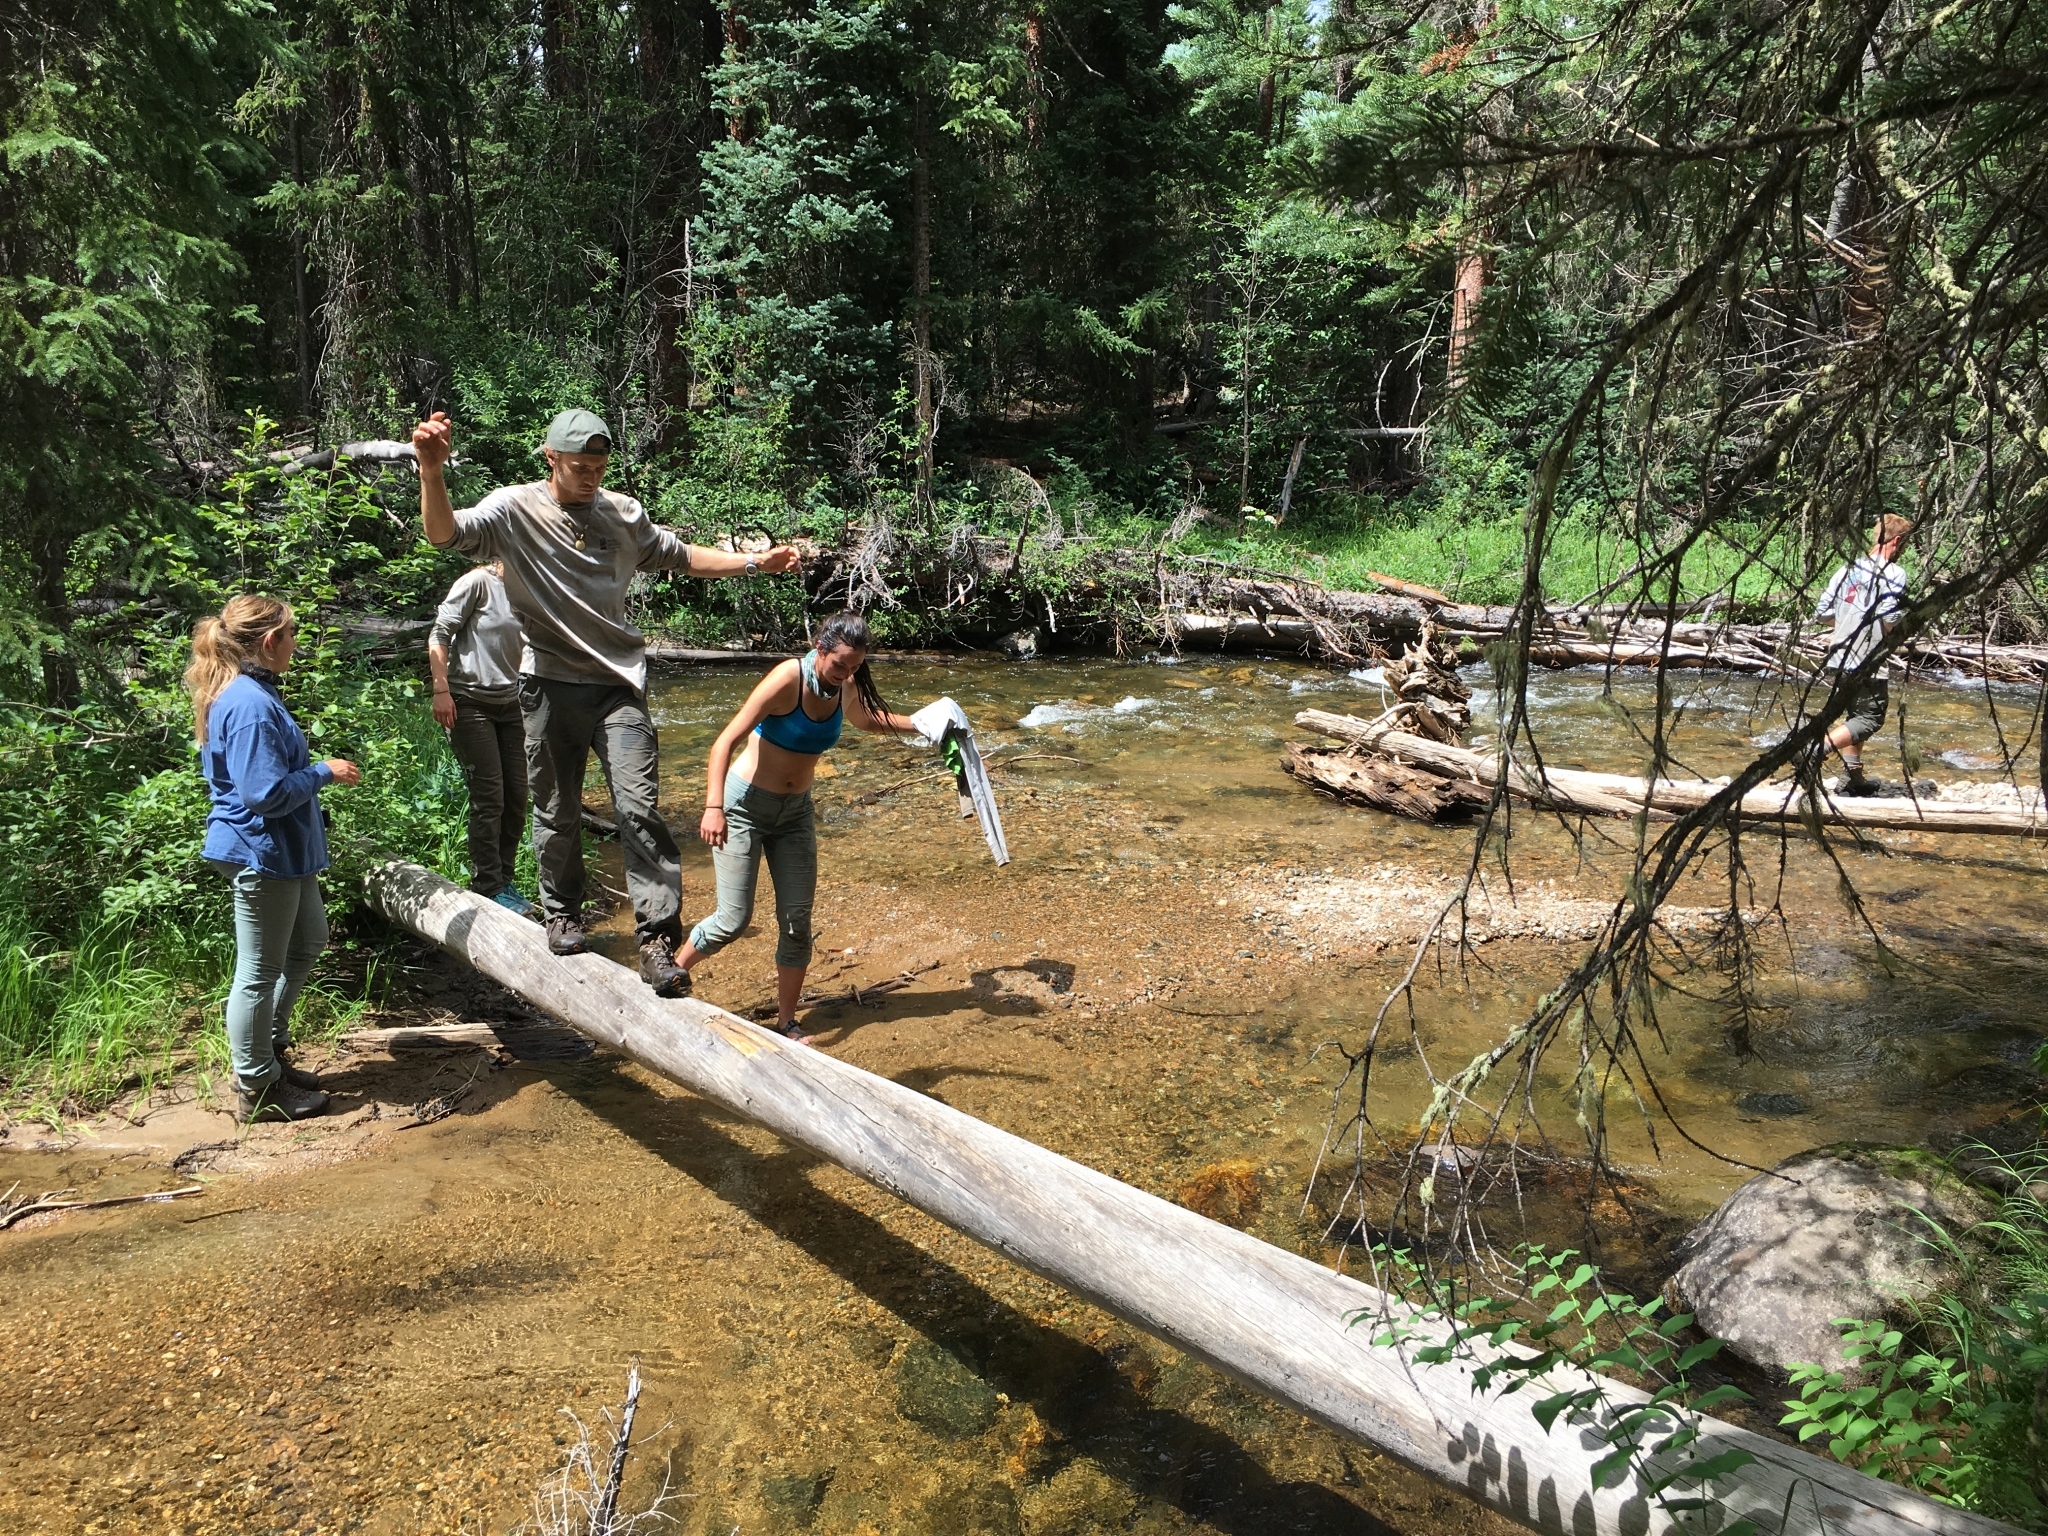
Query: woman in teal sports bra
[760,807]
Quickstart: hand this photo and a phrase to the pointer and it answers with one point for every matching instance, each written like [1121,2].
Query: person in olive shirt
[473,651]
[570,550]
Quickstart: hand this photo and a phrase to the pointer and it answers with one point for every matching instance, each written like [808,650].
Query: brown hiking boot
[277,1101]
[565,936]
[659,970]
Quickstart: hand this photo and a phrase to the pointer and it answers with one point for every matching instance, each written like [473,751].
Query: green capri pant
[783,830]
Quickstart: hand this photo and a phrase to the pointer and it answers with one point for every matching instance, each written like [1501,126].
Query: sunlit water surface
[386,1343]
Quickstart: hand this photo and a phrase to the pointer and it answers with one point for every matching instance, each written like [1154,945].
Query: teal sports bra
[797,731]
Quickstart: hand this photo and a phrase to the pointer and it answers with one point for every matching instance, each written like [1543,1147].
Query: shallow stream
[380,1331]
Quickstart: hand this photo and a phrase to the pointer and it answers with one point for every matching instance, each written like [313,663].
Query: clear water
[386,1343]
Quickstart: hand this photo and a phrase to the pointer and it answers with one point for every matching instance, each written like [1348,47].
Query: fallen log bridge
[1280,1323]
[1621,794]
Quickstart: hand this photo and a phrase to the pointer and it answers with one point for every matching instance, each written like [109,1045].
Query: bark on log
[1621,794]
[1383,783]
[1274,1320]
[1219,632]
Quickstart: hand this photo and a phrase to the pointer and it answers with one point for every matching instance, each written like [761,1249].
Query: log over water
[1621,794]
[1272,1319]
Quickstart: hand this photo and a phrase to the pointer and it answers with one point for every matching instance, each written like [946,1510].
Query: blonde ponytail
[223,644]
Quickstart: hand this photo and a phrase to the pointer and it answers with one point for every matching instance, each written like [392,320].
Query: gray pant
[783,830]
[280,929]
[564,722]
[489,741]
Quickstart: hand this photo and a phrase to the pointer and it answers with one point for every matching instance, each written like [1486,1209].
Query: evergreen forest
[1014,314]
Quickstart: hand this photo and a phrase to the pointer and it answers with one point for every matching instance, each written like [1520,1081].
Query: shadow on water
[926,1080]
[1115,1405]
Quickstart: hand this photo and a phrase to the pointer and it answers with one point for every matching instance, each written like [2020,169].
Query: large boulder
[1835,1232]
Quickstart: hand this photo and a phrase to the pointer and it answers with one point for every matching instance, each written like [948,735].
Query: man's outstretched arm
[434,440]
[724,562]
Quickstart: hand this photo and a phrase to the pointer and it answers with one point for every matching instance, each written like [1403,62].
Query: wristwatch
[753,566]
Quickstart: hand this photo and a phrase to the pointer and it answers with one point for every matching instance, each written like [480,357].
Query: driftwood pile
[1385,783]
[1381,755]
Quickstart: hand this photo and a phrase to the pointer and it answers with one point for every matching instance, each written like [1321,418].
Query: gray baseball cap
[572,432]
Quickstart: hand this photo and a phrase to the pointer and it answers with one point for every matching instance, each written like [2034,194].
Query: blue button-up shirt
[265,785]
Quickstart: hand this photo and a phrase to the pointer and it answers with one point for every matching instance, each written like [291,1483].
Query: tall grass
[117,1014]
[80,1026]
[117,941]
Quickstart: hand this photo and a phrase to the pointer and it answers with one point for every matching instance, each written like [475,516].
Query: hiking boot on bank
[659,970]
[298,1077]
[277,1101]
[1857,787]
[565,936]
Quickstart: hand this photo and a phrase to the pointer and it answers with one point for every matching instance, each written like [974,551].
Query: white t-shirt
[1864,596]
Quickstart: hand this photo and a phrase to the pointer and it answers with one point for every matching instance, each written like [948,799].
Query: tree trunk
[302,314]
[921,294]
[1468,289]
[560,37]
[1266,86]
[1034,77]
[1287,484]
[51,555]
[670,151]
[1280,1323]
[1475,256]
[1621,794]
[737,126]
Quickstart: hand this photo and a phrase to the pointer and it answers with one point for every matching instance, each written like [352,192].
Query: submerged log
[1278,1322]
[1383,783]
[1621,794]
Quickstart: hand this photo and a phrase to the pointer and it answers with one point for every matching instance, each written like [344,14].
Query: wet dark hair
[848,628]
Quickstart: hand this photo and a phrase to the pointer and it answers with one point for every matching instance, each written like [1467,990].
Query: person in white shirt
[473,652]
[1866,598]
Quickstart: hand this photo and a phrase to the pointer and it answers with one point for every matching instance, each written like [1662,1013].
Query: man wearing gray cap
[571,550]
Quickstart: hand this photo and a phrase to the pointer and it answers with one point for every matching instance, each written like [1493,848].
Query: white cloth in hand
[936,722]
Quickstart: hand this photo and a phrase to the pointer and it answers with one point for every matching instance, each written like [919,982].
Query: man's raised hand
[434,441]
[779,559]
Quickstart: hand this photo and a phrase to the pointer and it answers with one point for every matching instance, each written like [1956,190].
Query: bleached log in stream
[1274,1320]
[1621,794]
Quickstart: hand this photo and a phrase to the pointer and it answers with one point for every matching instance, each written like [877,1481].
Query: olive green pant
[565,723]
[489,741]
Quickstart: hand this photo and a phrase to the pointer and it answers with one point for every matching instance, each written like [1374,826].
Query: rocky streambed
[380,1322]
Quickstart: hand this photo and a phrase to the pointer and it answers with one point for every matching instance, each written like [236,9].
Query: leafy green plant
[1559,1315]
[1891,1416]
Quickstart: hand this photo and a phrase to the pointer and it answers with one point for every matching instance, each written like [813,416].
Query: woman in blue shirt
[267,835]
[761,806]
